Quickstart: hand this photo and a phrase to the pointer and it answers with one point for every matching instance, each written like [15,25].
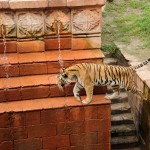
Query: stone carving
[86,20]
[55,19]
[30,24]
[7,19]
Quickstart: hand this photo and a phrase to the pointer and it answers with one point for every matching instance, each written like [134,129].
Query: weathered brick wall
[85,127]
[139,108]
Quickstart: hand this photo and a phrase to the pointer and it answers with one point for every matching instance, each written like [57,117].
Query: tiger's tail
[142,64]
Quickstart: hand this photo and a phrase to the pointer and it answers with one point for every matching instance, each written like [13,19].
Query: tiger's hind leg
[115,94]
[134,90]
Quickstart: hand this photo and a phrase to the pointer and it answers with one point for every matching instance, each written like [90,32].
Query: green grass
[126,20]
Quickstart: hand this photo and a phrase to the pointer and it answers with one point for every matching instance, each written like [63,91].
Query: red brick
[52,44]
[30,46]
[91,112]
[32,118]
[4,120]
[3,97]
[56,92]
[6,145]
[10,71]
[71,148]
[56,141]
[104,112]
[33,69]
[18,119]
[35,92]
[53,116]
[5,134]
[72,127]
[53,67]
[19,133]
[86,43]
[83,139]
[77,113]
[11,47]
[13,94]
[105,146]
[105,123]
[92,125]
[28,144]
[44,130]
[104,137]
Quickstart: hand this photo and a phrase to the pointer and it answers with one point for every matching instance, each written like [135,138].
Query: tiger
[88,75]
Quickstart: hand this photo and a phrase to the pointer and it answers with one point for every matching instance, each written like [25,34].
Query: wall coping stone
[49,103]
[32,4]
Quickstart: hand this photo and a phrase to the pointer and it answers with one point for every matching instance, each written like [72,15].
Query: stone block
[57,21]
[53,44]
[34,144]
[22,4]
[86,43]
[6,145]
[4,4]
[86,21]
[11,47]
[57,3]
[30,24]
[30,46]
[75,3]
[56,141]
[8,24]
[44,130]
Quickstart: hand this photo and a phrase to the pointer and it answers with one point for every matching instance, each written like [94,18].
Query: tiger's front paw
[85,101]
[78,98]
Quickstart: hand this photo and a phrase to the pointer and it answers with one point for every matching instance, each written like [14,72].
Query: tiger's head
[66,76]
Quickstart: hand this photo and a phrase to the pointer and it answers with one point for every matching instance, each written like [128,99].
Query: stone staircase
[123,132]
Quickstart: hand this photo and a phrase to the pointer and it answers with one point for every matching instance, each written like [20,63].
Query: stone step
[120,108]
[47,103]
[124,142]
[21,64]
[36,86]
[121,98]
[123,130]
[118,119]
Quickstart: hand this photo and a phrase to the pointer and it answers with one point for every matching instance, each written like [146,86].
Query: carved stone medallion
[7,19]
[86,20]
[57,20]
[30,24]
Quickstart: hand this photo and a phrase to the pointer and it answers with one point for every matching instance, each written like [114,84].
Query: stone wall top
[29,4]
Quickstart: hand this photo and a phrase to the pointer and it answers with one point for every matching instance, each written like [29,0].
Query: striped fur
[86,75]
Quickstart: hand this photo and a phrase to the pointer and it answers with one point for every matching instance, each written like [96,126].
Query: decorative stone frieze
[55,19]
[86,20]
[7,20]
[30,24]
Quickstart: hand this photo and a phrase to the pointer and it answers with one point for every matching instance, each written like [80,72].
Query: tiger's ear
[62,69]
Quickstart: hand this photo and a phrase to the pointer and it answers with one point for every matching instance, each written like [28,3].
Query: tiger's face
[64,78]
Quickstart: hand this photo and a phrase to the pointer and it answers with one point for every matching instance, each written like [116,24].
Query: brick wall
[70,128]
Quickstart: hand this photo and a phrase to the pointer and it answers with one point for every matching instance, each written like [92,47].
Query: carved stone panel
[57,21]
[30,24]
[87,20]
[7,22]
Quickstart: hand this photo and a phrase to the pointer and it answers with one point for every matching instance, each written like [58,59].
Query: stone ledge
[27,4]
[4,4]
[77,3]
[49,103]
[24,4]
